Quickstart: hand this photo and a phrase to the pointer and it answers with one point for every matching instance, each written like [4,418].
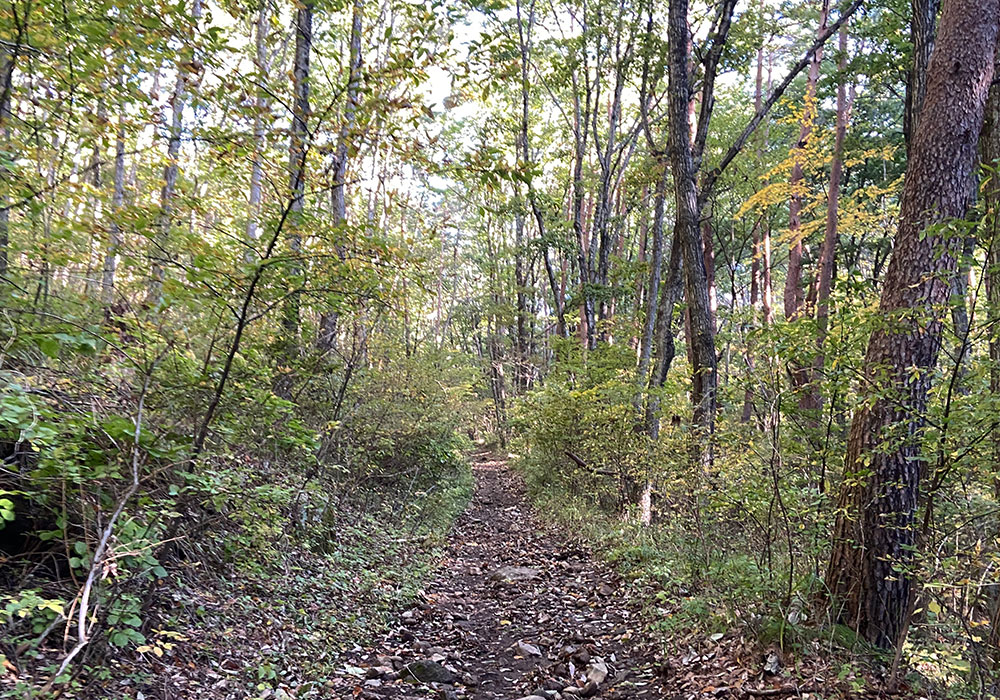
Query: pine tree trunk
[874,534]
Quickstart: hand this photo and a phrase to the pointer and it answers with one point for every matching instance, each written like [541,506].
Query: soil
[516,609]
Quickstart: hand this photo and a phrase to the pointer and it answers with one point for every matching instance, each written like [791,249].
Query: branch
[83,633]
[712,177]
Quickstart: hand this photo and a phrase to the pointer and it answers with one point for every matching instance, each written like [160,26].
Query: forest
[499,349]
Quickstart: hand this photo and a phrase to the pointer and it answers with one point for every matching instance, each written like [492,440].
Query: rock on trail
[515,612]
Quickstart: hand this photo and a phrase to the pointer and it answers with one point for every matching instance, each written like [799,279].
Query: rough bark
[701,340]
[874,534]
[923,23]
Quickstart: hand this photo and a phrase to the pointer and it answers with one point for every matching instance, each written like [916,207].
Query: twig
[83,633]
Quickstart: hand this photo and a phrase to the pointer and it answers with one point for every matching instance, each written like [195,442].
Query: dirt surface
[515,610]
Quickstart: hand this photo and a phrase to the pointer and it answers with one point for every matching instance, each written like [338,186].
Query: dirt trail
[515,610]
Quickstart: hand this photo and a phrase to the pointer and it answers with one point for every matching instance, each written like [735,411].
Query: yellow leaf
[933,606]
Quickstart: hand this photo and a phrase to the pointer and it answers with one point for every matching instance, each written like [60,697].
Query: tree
[298,151]
[874,533]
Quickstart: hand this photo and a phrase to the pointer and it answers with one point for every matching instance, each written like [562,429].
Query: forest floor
[517,609]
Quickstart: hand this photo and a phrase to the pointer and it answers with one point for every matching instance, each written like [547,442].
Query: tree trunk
[794,299]
[260,106]
[115,237]
[328,320]
[989,150]
[701,340]
[923,22]
[187,72]
[524,33]
[297,152]
[653,294]
[874,533]
[828,251]
[7,76]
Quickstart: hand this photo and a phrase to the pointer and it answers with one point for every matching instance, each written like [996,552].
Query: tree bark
[7,76]
[115,237]
[828,251]
[874,534]
[989,150]
[328,320]
[260,106]
[187,73]
[923,23]
[794,299]
[297,154]
[701,340]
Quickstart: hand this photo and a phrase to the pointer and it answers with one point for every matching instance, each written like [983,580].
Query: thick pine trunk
[923,23]
[989,153]
[874,534]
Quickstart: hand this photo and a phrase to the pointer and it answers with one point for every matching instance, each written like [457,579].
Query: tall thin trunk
[524,32]
[829,249]
[115,236]
[758,290]
[298,150]
[328,320]
[653,294]
[701,340]
[187,73]
[7,76]
[671,293]
[259,107]
[874,536]
[794,298]
[989,150]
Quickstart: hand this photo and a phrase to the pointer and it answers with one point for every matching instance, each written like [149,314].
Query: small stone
[597,671]
[528,649]
[514,574]
[427,671]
